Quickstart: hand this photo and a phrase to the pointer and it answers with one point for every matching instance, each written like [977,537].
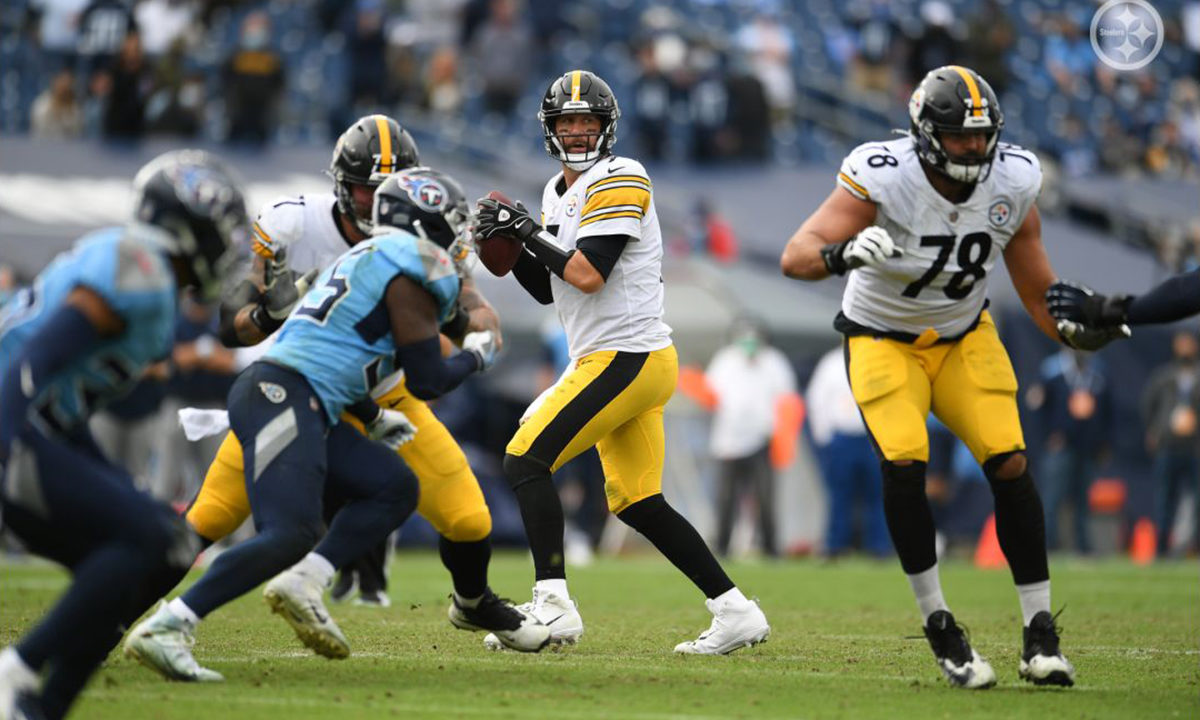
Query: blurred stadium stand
[741,108]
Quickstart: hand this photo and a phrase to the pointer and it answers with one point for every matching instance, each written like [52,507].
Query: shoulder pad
[872,167]
[279,224]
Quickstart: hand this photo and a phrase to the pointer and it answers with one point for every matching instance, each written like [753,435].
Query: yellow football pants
[613,400]
[968,384]
[450,496]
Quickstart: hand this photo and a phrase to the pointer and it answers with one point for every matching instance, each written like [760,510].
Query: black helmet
[198,202]
[371,149]
[579,92]
[427,203]
[955,99]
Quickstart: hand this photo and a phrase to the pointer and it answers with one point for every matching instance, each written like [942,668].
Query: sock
[1021,527]
[679,542]
[1035,598]
[927,588]
[317,567]
[471,603]
[558,586]
[542,513]
[180,609]
[909,520]
[732,595]
[468,566]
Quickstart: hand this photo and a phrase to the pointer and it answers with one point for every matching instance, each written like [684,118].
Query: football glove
[873,246]
[1090,339]
[392,428]
[483,345]
[1080,304]
[498,218]
[282,289]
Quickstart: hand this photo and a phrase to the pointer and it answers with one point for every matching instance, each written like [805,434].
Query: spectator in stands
[749,114]
[1074,400]
[878,36]
[127,88]
[1171,412]
[1074,149]
[56,112]
[769,44]
[848,462]
[253,82]
[938,43]
[370,84]
[58,32]
[443,91]
[992,37]
[752,392]
[162,22]
[1068,55]
[502,52]
[708,108]
[103,28]
[653,95]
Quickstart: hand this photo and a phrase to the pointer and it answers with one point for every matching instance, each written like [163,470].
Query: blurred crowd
[702,81]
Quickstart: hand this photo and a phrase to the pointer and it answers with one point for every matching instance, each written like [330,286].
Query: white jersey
[306,226]
[613,197]
[940,282]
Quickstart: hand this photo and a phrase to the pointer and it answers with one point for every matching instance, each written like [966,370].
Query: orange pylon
[1142,544]
[988,553]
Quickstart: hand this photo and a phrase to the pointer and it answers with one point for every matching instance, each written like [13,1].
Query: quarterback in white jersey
[918,223]
[598,258]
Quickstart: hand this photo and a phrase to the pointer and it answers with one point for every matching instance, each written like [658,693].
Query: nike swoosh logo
[556,619]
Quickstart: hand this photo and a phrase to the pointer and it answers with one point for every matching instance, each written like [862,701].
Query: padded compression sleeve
[534,277]
[1174,299]
[427,374]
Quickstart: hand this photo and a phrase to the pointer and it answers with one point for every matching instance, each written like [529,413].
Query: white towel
[199,424]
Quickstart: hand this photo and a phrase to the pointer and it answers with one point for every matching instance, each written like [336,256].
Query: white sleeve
[868,171]
[616,203]
[279,224]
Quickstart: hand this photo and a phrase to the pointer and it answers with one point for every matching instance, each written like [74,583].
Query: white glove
[392,428]
[483,344]
[873,246]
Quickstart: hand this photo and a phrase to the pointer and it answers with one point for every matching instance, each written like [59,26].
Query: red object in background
[1107,496]
[789,418]
[693,384]
[1143,543]
[722,243]
[988,554]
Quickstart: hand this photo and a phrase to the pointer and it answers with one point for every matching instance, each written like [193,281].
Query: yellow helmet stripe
[973,88]
[385,144]
[575,75]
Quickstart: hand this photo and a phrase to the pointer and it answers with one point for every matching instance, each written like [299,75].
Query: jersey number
[973,252]
[320,301]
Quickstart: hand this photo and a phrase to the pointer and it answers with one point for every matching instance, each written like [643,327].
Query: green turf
[838,649]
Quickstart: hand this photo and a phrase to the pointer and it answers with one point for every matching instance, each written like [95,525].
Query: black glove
[499,218]
[1079,304]
[1082,337]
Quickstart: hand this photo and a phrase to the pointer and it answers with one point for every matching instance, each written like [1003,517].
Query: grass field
[840,648]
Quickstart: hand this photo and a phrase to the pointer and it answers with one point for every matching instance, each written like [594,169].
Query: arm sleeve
[65,336]
[603,251]
[534,277]
[427,374]
[1174,299]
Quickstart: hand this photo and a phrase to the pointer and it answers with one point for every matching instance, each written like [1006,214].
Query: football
[499,252]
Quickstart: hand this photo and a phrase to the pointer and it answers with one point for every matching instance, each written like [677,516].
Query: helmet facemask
[604,139]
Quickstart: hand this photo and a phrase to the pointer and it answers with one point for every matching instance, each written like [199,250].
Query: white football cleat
[736,624]
[961,665]
[299,599]
[558,614]
[163,642]
[513,628]
[16,680]
[1042,663]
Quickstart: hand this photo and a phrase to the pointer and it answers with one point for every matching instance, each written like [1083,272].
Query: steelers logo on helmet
[955,100]
[579,92]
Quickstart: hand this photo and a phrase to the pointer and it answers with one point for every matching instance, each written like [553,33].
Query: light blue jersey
[340,337]
[125,267]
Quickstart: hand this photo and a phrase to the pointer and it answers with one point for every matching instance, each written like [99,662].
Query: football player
[918,223]
[77,339]
[374,311]
[597,255]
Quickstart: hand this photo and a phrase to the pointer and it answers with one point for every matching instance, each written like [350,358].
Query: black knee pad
[992,465]
[642,513]
[903,479]
[520,469]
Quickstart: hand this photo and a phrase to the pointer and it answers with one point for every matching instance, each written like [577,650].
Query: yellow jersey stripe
[846,179]
[385,144]
[611,216]
[575,75]
[262,250]
[973,88]
[617,196]
[620,178]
